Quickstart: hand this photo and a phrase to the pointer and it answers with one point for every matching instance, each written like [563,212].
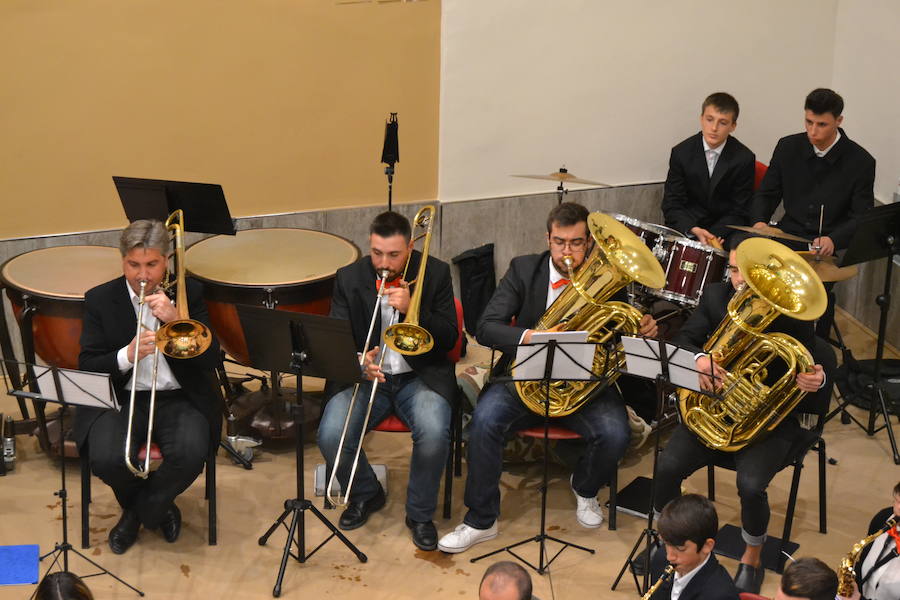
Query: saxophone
[846,575]
[662,578]
[619,257]
[778,281]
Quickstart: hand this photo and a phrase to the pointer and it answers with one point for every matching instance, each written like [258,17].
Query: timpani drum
[47,287]
[284,269]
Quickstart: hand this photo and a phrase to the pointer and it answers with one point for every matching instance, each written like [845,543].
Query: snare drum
[658,238]
[690,267]
[285,269]
[50,283]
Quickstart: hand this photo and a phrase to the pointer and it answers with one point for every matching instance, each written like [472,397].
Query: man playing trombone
[417,388]
[185,405]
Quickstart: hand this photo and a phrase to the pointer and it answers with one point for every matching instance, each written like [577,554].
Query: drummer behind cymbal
[185,404]
[710,179]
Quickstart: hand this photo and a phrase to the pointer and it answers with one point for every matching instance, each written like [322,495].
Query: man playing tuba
[530,286]
[758,461]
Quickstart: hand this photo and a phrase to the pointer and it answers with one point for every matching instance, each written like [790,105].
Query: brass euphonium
[846,576]
[778,281]
[619,257]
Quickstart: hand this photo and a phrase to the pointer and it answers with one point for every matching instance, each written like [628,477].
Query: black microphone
[390,152]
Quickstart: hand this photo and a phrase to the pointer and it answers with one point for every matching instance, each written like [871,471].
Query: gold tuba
[845,572]
[619,257]
[778,281]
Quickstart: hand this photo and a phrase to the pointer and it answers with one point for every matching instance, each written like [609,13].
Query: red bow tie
[387,284]
[559,283]
[894,534]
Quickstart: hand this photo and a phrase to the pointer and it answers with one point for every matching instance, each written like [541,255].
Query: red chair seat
[155,452]
[553,433]
[392,424]
[749,596]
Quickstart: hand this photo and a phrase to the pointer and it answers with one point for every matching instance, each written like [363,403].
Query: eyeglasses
[574,244]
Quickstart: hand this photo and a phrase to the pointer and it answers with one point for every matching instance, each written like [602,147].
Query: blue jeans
[424,411]
[602,422]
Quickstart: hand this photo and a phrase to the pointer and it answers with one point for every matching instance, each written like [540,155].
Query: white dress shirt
[681,581]
[394,363]
[715,154]
[883,584]
[165,379]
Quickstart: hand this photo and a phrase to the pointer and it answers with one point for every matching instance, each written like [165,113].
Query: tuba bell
[619,258]
[778,281]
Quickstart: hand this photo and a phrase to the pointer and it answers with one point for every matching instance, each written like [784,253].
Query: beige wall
[283,102]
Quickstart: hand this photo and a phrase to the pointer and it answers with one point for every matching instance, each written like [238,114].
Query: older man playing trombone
[372,293]
[185,405]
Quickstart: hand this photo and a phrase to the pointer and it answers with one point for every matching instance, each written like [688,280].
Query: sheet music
[78,387]
[572,361]
[642,359]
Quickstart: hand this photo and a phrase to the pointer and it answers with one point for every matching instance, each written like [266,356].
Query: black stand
[877,236]
[390,153]
[649,536]
[269,345]
[61,549]
[542,536]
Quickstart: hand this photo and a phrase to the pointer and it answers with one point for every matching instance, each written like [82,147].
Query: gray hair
[506,573]
[145,233]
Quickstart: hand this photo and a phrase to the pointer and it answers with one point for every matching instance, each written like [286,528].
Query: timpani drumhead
[62,272]
[269,258]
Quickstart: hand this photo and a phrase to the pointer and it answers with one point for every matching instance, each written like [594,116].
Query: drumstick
[668,315]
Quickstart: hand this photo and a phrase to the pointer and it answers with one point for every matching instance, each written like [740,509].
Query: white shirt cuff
[122,359]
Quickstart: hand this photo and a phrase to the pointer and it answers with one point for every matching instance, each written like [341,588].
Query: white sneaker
[587,510]
[464,537]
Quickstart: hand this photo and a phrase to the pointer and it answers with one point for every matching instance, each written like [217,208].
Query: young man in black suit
[758,462]
[687,527]
[186,409]
[530,286]
[418,389]
[820,168]
[710,179]
[819,175]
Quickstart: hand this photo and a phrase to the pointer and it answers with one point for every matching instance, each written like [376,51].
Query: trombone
[180,338]
[407,338]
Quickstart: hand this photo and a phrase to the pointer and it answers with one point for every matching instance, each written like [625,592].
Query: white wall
[607,88]
[867,75]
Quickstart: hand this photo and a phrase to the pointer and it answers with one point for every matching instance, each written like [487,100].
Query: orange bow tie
[559,283]
[387,284]
[894,534]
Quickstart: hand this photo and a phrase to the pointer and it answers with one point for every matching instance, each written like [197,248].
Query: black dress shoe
[124,534]
[424,534]
[748,578]
[357,513]
[171,524]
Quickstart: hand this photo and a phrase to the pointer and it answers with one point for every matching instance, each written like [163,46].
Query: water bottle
[9,444]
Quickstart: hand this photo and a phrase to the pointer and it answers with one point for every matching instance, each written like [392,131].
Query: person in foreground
[808,579]
[531,285]
[187,413]
[687,527]
[417,388]
[505,580]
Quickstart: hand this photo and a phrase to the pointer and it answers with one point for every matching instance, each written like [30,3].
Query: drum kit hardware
[563,177]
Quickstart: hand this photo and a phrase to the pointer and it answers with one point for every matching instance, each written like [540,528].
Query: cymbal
[826,267]
[770,232]
[563,176]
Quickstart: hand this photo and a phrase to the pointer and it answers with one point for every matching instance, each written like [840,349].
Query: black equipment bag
[476,282]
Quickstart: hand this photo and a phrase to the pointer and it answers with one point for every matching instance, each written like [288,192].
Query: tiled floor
[858,485]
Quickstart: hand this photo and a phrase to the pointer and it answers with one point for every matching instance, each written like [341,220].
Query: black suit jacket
[694,199]
[354,300]
[842,181]
[712,582]
[110,324]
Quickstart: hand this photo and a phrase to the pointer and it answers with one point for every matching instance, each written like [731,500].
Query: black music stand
[390,153]
[669,366]
[877,235]
[546,354]
[204,206]
[300,343]
[65,387]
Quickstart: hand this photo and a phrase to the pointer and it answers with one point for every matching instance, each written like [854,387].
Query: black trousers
[182,434]
[756,465]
